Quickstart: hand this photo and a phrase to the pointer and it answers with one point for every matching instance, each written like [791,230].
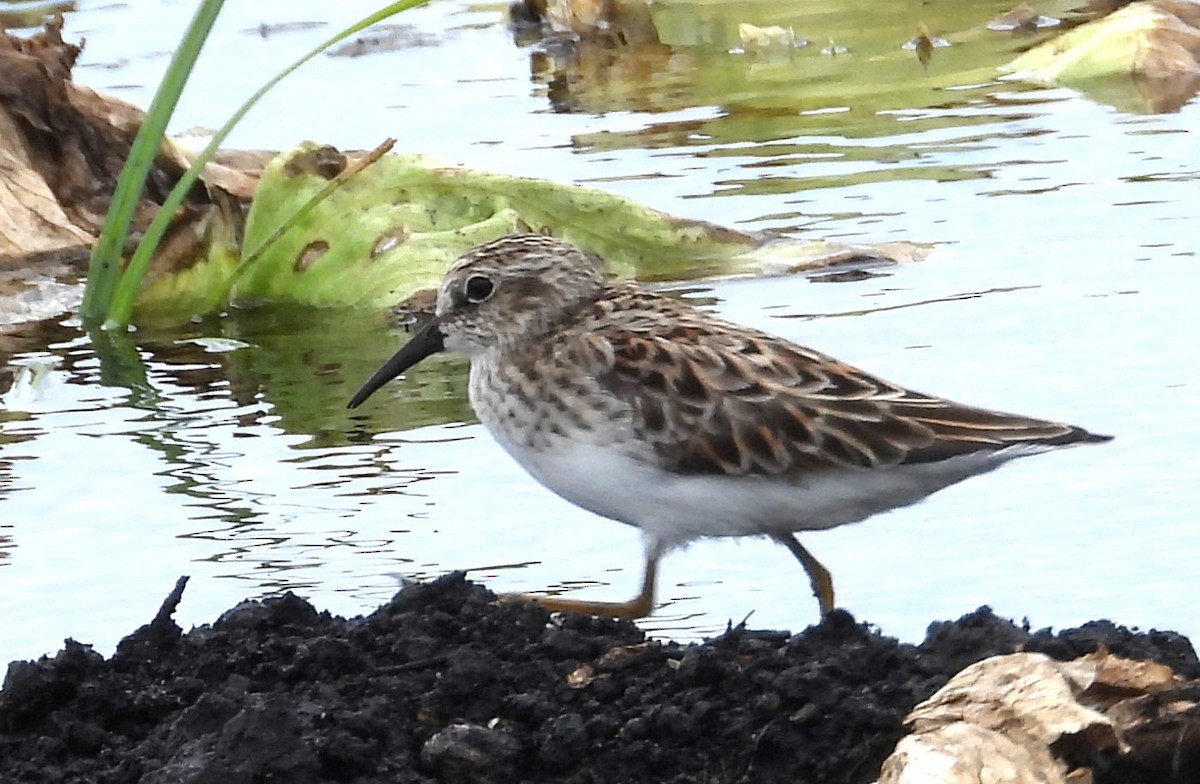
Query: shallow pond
[1062,284]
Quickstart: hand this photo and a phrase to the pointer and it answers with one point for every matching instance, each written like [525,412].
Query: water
[1061,285]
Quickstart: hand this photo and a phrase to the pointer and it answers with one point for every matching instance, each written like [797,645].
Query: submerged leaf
[391,230]
[1149,51]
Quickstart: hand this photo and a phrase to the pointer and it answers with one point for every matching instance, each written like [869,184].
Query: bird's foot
[637,607]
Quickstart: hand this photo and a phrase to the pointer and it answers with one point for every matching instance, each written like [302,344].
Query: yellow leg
[638,607]
[818,575]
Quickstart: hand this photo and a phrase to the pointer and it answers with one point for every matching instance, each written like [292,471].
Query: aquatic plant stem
[120,310]
[104,267]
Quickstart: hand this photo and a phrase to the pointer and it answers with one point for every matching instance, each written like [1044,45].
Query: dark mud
[445,685]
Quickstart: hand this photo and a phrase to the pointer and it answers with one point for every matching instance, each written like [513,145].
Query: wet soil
[444,684]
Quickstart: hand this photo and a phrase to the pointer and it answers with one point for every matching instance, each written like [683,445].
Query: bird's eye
[478,288]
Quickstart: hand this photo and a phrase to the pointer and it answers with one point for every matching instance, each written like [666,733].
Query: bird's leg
[822,582]
[638,607]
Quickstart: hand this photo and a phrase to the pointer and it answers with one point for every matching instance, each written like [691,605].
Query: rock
[471,754]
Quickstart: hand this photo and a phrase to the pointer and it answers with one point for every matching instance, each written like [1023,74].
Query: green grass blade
[121,310]
[105,265]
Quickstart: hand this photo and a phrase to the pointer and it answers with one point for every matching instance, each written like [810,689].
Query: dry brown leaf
[626,22]
[30,219]
[1101,679]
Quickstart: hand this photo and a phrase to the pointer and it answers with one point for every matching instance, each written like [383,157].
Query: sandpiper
[642,409]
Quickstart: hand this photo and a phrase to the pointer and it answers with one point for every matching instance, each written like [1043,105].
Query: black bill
[429,340]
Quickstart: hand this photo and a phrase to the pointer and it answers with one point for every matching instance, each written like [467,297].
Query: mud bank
[443,684]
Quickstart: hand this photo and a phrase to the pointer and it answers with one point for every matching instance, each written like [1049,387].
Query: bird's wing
[712,397]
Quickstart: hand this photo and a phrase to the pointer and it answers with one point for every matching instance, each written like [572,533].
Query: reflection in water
[791,126]
[32,356]
[209,427]
[29,342]
[587,76]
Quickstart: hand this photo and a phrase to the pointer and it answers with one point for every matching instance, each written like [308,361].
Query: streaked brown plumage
[645,410]
[715,397]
